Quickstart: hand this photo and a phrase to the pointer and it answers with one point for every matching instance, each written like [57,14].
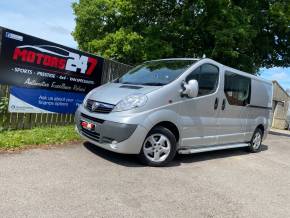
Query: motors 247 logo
[55,57]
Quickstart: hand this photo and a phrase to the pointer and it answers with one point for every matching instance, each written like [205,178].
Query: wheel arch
[166,118]
[170,126]
[261,127]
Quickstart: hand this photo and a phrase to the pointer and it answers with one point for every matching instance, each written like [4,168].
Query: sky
[282,75]
[53,20]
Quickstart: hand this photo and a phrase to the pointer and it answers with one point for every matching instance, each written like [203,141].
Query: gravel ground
[85,181]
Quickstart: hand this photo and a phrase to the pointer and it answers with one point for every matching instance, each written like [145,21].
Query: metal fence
[111,70]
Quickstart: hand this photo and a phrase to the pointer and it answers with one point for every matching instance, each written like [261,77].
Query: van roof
[226,67]
[247,74]
[181,59]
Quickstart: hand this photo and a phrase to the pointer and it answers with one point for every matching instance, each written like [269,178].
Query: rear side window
[237,89]
[207,76]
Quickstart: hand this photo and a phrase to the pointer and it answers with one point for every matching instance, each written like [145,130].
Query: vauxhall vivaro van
[177,105]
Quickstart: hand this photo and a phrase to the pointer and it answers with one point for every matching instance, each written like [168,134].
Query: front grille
[91,134]
[99,107]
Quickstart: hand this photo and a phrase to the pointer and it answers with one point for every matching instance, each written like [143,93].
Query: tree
[243,34]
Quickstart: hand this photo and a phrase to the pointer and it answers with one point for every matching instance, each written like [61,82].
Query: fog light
[114,144]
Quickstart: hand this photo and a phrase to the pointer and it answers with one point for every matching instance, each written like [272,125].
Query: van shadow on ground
[280,133]
[132,160]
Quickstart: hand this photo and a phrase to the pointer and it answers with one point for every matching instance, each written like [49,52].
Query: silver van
[177,105]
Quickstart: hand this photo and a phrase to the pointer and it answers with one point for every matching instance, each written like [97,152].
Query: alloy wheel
[156,147]
[257,140]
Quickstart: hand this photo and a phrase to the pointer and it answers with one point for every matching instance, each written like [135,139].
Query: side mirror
[190,89]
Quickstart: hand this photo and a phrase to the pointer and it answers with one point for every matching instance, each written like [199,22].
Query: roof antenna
[203,56]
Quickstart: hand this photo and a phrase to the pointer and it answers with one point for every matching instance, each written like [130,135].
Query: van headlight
[87,97]
[85,101]
[130,102]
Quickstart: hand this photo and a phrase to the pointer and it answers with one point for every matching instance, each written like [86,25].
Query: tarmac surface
[85,181]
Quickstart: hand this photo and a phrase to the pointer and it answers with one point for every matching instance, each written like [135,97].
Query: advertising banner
[31,62]
[23,100]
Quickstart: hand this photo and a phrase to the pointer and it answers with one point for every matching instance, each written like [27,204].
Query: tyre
[159,147]
[256,141]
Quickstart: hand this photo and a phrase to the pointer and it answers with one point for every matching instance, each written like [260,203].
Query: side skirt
[212,148]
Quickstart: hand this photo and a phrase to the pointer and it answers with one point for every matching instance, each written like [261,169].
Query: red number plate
[88,126]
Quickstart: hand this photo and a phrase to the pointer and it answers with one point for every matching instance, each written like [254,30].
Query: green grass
[37,136]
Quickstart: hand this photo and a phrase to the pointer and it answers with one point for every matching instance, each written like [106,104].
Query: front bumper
[117,137]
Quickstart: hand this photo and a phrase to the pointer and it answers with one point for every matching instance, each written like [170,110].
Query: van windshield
[156,73]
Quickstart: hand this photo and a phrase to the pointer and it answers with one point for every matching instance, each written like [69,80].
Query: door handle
[224,104]
[216,103]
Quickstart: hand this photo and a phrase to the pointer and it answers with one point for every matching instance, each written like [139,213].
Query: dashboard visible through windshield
[156,73]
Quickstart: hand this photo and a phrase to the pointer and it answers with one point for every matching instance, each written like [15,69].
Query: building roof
[275,81]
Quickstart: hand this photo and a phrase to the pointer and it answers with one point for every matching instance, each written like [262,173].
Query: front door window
[207,77]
